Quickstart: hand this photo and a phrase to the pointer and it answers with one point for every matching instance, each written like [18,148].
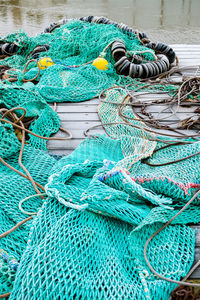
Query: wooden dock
[77,117]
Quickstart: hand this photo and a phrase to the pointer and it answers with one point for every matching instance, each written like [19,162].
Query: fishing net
[9,142]
[40,116]
[106,198]
[111,180]
[93,259]
[88,238]
[135,141]
[167,170]
[71,47]
[159,173]
[98,252]
[14,188]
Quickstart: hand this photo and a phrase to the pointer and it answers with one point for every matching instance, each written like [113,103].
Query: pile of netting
[88,239]
[92,225]
[70,50]
[13,188]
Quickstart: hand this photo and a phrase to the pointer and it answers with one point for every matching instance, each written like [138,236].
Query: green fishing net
[14,188]
[92,258]
[70,47]
[9,142]
[87,242]
[43,120]
[136,142]
[104,201]
[167,171]
[70,78]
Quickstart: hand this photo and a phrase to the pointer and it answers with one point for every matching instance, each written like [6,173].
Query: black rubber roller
[8,49]
[142,35]
[164,49]
[140,70]
[151,69]
[120,62]
[118,50]
[123,67]
[35,53]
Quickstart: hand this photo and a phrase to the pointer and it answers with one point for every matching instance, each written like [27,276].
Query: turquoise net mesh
[44,121]
[93,257]
[14,188]
[98,252]
[9,142]
[104,200]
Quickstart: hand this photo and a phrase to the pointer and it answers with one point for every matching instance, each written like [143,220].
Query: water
[170,21]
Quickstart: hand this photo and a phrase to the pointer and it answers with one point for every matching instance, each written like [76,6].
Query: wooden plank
[64,145]
[77,109]
[196,274]
[197,227]
[68,109]
[186,56]
[79,116]
[187,62]
[74,117]
[81,125]
[164,119]
[185,46]
[186,51]
[78,134]
[93,101]
[91,115]
[63,152]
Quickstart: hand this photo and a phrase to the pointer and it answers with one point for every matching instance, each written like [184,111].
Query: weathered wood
[68,145]
[196,227]
[81,125]
[76,109]
[77,134]
[196,273]
[185,46]
[77,116]
[63,110]
[90,102]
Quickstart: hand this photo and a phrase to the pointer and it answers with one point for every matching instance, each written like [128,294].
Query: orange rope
[15,227]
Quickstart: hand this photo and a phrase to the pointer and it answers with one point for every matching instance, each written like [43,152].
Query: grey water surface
[170,21]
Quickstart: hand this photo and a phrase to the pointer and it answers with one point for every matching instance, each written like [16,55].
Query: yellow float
[45,63]
[100,63]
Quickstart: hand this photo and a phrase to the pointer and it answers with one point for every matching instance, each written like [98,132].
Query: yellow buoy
[100,63]
[45,62]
